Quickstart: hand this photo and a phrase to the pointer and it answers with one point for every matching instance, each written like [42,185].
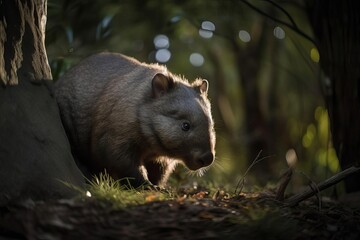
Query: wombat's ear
[204,86]
[161,84]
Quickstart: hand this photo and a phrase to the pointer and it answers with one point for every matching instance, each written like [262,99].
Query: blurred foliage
[264,77]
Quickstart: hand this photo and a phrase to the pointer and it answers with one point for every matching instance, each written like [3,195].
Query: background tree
[336,26]
[34,152]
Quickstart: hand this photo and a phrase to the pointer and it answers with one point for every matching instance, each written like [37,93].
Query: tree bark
[22,32]
[35,154]
[336,26]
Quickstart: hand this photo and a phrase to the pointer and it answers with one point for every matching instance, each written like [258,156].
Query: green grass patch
[104,188]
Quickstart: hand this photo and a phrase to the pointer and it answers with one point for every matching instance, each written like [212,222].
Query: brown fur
[129,117]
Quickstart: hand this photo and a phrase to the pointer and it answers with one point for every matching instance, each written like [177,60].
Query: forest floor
[192,213]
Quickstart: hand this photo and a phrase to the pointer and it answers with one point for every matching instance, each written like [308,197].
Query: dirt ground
[194,215]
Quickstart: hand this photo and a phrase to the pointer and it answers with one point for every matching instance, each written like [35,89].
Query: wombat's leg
[156,171]
[132,177]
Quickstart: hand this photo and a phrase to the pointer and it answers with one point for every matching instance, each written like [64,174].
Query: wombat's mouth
[195,163]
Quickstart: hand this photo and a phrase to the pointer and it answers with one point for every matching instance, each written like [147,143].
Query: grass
[104,188]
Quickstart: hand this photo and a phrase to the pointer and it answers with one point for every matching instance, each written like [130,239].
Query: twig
[284,181]
[284,11]
[314,187]
[292,26]
[241,182]
[294,200]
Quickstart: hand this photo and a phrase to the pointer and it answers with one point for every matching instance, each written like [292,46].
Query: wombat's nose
[206,159]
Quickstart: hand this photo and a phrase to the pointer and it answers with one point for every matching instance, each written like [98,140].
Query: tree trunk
[35,154]
[248,62]
[336,26]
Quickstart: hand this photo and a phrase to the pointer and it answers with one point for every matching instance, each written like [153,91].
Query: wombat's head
[177,121]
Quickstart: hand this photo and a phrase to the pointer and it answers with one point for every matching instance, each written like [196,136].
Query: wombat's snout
[206,159]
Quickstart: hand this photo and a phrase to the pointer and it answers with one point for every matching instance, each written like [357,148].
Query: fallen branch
[294,200]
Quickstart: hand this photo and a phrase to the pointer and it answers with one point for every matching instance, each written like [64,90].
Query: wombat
[135,120]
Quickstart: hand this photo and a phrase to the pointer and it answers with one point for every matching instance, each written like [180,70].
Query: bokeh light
[244,36]
[205,33]
[279,33]
[207,29]
[162,55]
[291,157]
[196,59]
[207,25]
[161,41]
[314,55]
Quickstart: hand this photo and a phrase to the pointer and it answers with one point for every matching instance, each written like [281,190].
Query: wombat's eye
[185,126]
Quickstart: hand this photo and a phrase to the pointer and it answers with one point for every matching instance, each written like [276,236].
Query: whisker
[190,173]
[218,165]
[200,172]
